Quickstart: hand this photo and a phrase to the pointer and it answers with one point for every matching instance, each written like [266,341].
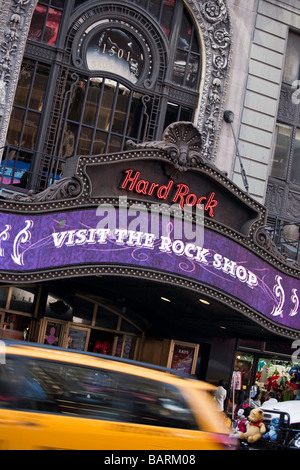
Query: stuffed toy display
[255,427]
[295,374]
[241,422]
[273,430]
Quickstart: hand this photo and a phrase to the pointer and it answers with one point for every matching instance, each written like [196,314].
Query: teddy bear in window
[255,427]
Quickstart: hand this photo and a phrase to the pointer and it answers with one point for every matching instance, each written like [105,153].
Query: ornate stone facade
[15,22]
[212,19]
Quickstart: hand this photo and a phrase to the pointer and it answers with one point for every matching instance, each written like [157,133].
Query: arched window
[128,70]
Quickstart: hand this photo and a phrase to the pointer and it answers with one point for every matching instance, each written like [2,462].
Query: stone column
[15,21]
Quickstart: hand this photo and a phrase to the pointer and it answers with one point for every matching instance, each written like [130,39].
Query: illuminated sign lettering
[182,195]
[36,242]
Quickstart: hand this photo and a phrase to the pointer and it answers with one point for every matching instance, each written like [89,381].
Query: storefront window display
[125,346]
[65,318]
[255,376]
[279,376]
[15,327]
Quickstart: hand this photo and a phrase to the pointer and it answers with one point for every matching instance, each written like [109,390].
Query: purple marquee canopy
[32,243]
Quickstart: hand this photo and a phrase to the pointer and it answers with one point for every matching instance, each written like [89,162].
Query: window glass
[85,140]
[3,296]
[37,22]
[15,167]
[179,67]
[15,126]
[24,124]
[106,318]
[24,83]
[92,392]
[295,170]
[58,3]
[77,338]
[125,347]
[69,140]
[135,115]
[129,327]
[82,311]
[52,26]
[292,61]
[99,143]
[192,71]
[177,113]
[92,102]
[281,153]
[15,327]
[45,23]
[23,299]
[107,104]
[186,114]
[30,130]
[186,69]
[167,16]
[78,3]
[115,144]
[185,32]
[120,110]
[77,101]
[39,87]
[101,342]
[171,114]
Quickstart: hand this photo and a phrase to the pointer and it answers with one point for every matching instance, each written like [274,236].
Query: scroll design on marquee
[66,188]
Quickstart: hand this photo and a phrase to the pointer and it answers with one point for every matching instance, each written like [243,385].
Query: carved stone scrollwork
[293,205]
[215,22]
[66,188]
[12,43]
[274,198]
[182,141]
[214,11]
[263,239]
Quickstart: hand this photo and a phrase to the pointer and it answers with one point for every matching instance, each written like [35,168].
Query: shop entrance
[257,376]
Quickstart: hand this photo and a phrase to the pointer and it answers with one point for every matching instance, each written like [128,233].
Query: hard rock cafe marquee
[157,211]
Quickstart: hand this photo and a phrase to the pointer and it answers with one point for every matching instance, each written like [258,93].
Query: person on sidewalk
[220,395]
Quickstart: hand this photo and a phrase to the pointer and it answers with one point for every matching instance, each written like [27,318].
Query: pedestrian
[220,395]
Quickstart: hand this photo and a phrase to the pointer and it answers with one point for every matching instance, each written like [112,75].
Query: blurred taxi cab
[52,398]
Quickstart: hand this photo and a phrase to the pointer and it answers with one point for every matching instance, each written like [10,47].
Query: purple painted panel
[35,242]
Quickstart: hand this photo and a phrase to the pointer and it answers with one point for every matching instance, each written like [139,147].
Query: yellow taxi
[52,398]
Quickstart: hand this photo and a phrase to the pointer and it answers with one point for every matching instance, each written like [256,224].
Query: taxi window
[97,393]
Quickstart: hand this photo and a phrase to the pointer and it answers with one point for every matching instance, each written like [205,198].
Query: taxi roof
[98,360]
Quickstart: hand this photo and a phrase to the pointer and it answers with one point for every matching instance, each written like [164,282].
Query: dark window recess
[283,190]
[46,21]
[99,114]
[19,154]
